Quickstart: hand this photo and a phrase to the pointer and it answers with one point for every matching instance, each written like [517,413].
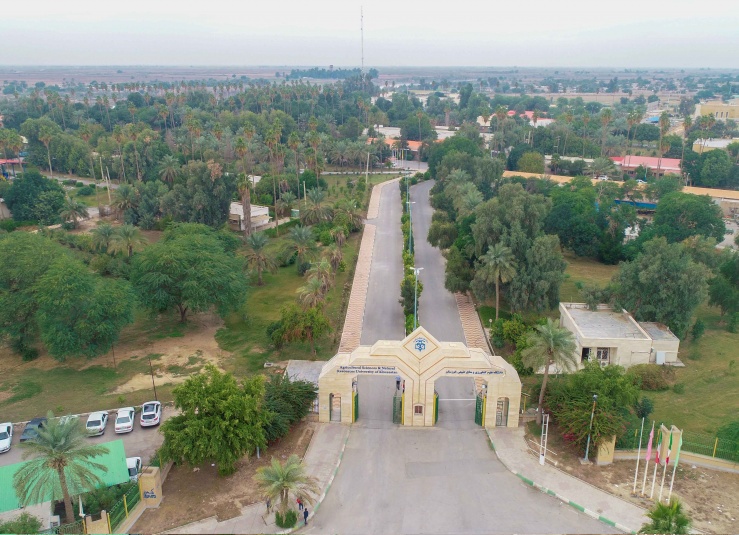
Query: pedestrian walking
[269,505]
[305,515]
[300,504]
[397,382]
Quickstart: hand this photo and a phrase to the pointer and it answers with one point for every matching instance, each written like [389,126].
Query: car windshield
[132,471]
[149,416]
[150,408]
[93,423]
[123,419]
[3,435]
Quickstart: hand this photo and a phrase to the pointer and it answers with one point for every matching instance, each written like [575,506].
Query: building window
[603,356]
[418,410]
[585,354]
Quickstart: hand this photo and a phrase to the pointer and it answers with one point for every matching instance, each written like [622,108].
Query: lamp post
[416,271]
[590,429]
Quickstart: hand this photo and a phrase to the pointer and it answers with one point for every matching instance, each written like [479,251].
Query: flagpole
[654,478]
[638,456]
[662,485]
[656,462]
[646,463]
[664,471]
[674,468]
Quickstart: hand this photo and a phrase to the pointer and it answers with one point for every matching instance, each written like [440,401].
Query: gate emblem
[420,344]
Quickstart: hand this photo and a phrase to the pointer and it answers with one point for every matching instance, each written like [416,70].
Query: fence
[712,446]
[65,529]
[120,511]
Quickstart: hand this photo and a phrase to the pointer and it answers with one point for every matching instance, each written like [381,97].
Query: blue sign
[150,494]
[420,344]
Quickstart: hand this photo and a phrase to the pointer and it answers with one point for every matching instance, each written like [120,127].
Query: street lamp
[416,271]
[590,429]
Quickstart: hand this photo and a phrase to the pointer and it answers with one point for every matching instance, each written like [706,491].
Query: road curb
[325,490]
[553,493]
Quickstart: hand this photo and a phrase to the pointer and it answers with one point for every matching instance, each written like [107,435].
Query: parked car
[96,423]
[151,413]
[603,177]
[124,420]
[6,436]
[641,182]
[69,418]
[31,429]
[134,468]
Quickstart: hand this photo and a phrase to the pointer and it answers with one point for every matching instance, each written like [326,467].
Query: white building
[259,216]
[611,337]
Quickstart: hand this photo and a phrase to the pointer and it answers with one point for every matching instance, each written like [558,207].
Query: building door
[335,407]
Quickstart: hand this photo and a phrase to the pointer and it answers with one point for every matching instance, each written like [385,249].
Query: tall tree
[303,244]
[548,345]
[169,168]
[61,465]
[279,481]
[496,266]
[257,256]
[244,186]
[126,239]
[73,211]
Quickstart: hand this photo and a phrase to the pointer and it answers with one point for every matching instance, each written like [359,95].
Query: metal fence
[711,446]
[66,529]
[120,511]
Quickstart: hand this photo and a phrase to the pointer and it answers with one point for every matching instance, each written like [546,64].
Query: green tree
[681,215]
[531,162]
[301,325]
[716,169]
[73,210]
[102,235]
[408,295]
[667,518]
[191,272]
[169,169]
[288,401]
[496,266]
[220,420]
[244,187]
[316,211]
[303,244]
[125,199]
[311,294]
[60,465]
[278,482]
[126,239]
[549,345]
[459,273]
[32,197]
[661,284]
[23,523]
[258,257]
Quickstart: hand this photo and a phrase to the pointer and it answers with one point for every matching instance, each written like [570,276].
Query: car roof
[37,421]
[151,404]
[6,423]
[98,414]
[131,461]
[126,409]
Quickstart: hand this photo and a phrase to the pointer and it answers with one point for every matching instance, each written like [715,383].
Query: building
[705,145]
[611,337]
[259,217]
[657,166]
[719,109]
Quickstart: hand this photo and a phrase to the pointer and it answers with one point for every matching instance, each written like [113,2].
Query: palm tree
[119,136]
[664,127]
[339,235]
[244,186]
[499,265]
[73,210]
[687,123]
[126,239]
[606,116]
[322,271]
[102,235]
[285,202]
[169,169]
[569,117]
[549,344]
[257,257]
[278,481]
[303,244]
[125,198]
[61,462]
[293,141]
[602,167]
[351,213]
[315,212]
[312,293]
[334,255]
[45,136]
[667,519]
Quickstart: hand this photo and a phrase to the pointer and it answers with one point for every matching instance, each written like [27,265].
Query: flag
[659,446]
[649,445]
[679,448]
[669,447]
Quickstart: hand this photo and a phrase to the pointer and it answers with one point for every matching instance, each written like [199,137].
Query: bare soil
[710,497]
[194,493]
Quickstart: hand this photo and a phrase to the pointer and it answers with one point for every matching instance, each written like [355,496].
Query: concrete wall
[97,526]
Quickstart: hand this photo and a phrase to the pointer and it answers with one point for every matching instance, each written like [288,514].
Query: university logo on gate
[420,344]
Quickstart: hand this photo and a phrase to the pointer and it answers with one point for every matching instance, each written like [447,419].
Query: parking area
[141,442]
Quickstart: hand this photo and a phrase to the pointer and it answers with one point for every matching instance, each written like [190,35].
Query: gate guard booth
[419,360]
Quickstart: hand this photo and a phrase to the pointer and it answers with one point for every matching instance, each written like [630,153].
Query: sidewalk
[321,460]
[511,449]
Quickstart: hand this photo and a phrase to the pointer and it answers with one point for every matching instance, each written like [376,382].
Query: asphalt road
[444,479]
[383,315]
[141,442]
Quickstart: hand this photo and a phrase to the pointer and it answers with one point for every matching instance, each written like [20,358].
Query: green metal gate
[355,406]
[397,408]
[436,407]
[480,410]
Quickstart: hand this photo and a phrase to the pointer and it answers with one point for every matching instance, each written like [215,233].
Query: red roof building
[657,166]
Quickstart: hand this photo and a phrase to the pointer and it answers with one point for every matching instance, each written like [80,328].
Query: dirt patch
[192,494]
[710,497]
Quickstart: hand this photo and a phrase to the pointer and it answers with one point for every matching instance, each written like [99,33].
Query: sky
[537,33]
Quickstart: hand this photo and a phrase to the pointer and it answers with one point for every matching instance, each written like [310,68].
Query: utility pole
[590,429]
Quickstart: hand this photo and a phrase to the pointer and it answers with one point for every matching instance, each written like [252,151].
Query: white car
[134,468]
[641,182]
[151,413]
[124,420]
[96,423]
[6,436]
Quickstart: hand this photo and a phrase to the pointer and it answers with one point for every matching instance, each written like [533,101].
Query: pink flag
[649,446]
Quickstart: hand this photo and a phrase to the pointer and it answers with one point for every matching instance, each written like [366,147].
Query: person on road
[305,515]
[269,505]
[300,504]
[397,382]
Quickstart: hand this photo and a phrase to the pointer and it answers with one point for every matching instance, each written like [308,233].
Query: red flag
[649,445]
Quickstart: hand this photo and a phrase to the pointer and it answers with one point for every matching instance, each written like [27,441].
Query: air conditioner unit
[54,521]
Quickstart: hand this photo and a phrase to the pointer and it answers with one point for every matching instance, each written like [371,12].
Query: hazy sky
[626,33]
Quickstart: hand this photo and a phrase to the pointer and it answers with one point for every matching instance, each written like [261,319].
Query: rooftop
[604,322]
[652,162]
[658,331]
[304,370]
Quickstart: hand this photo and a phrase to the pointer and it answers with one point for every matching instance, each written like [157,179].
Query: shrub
[325,238]
[69,182]
[513,329]
[650,376]
[644,407]
[303,267]
[86,190]
[79,184]
[679,388]
[699,328]
[496,333]
[287,521]
[25,523]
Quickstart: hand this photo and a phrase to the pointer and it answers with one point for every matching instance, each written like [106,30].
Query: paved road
[383,315]
[141,442]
